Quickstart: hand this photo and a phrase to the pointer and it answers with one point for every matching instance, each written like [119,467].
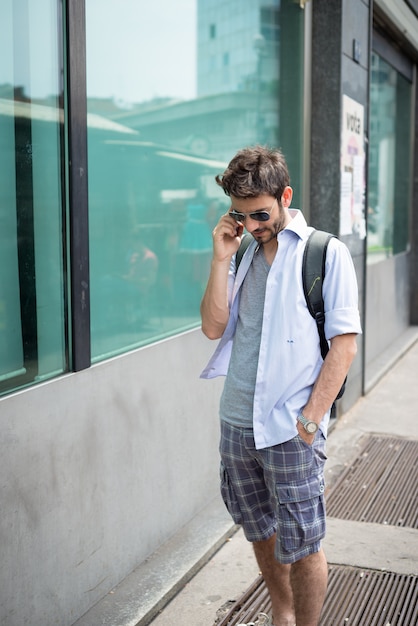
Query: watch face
[311,427]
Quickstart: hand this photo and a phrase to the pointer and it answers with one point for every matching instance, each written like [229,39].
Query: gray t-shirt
[236,405]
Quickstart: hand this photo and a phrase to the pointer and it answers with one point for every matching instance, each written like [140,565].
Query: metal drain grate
[380,486]
[369,598]
[255,600]
[355,597]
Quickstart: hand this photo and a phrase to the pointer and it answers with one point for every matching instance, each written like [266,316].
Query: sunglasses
[258,216]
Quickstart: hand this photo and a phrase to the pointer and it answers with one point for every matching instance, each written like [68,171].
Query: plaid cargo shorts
[279,489]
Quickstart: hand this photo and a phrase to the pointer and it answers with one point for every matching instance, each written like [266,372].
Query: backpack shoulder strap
[245,242]
[313,273]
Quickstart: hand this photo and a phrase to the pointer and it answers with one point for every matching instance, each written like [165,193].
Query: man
[278,392]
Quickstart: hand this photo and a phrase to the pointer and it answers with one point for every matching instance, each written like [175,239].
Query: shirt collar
[298,224]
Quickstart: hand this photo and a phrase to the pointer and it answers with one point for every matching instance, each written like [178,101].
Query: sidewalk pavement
[389,409]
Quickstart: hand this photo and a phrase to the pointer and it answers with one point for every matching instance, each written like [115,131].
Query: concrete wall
[387,309]
[98,469]
[414,227]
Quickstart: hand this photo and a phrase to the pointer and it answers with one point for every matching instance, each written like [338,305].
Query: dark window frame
[78,224]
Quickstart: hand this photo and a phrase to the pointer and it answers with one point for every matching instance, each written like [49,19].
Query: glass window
[174,90]
[32,337]
[389,190]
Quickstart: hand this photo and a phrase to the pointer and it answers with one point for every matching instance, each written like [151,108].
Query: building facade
[113,125]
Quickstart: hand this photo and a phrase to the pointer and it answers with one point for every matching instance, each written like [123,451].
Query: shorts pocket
[301,512]
[228,495]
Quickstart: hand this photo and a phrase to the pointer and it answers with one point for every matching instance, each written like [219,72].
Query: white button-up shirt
[290,357]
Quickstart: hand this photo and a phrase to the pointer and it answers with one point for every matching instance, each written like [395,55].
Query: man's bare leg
[309,578]
[297,591]
[277,578]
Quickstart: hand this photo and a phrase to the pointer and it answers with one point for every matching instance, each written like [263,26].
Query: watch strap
[304,421]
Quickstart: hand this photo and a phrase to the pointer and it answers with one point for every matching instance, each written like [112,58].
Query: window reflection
[32,316]
[389,162]
[181,88]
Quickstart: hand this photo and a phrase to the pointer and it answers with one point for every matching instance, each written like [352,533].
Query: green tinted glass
[389,162]
[32,323]
[173,92]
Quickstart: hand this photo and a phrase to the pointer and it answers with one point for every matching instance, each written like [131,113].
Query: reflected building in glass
[237,84]
[157,178]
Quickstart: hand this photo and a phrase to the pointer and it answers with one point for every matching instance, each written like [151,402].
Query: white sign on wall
[353,175]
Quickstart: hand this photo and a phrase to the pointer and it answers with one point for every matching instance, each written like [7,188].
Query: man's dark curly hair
[255,171]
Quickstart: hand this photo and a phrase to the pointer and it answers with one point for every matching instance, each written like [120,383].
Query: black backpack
[313,272]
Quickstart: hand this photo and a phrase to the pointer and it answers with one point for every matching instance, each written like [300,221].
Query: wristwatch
[308,425]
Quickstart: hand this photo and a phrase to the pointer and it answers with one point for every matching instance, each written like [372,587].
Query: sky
[135,48]
[135,52]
